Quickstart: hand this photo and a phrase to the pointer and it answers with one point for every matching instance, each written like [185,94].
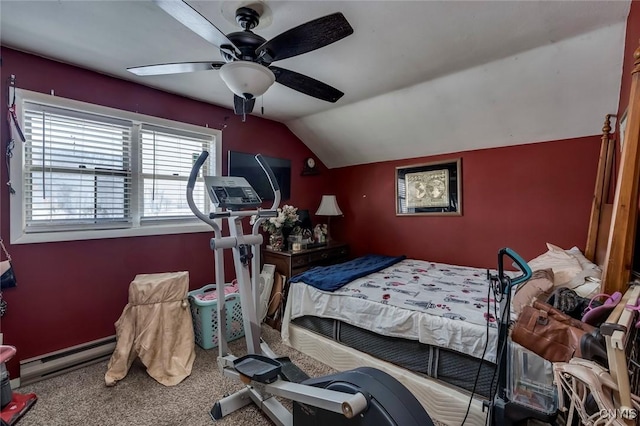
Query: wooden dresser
[290,263]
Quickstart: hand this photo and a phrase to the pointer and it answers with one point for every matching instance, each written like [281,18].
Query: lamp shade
[329,206]
[247,79]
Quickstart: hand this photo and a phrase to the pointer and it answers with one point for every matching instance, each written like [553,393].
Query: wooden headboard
[601,208]
[613,250]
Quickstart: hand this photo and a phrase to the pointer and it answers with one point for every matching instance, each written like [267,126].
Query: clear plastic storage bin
[530,380]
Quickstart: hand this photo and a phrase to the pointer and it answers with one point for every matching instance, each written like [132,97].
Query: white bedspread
[437,304]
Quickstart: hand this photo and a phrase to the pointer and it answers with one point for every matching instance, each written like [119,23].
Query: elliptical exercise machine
[363,396]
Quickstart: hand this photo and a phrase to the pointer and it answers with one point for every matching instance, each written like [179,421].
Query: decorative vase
[276,241]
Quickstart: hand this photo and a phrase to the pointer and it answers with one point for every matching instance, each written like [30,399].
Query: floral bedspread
[453,292]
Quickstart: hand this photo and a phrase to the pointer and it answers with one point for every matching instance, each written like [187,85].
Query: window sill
[142,231]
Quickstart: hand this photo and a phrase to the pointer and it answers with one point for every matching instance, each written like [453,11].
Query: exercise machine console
[359,397]
[233,193]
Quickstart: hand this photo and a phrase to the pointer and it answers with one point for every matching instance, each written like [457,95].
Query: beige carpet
[81,398]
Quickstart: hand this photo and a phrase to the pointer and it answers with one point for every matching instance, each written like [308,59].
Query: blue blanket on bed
[331,278]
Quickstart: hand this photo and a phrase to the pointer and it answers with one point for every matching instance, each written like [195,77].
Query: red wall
[519,197]
[73,292]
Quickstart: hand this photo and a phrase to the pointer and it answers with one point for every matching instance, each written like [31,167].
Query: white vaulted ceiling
[419,77]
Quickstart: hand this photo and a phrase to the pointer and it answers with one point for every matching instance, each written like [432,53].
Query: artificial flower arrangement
[287,217]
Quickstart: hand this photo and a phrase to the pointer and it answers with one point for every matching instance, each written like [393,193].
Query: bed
[416,308]
[434,323]
[439,367]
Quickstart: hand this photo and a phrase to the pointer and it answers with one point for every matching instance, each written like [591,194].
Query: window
[167,158]
[95,172]
[76,170]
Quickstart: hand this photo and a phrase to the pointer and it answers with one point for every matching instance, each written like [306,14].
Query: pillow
[584,262]
[588,278]
[576,254]
[539,286]
[564,265]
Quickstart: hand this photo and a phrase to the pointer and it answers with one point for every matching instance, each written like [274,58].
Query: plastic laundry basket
[204,312]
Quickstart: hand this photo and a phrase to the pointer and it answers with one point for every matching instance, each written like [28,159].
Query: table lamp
[329,207]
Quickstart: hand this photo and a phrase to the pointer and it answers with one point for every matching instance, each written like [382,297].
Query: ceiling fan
[247,68]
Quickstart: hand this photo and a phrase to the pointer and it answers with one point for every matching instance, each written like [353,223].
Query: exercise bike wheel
[390,403]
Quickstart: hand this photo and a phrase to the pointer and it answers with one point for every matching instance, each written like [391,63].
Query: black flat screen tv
[246,166]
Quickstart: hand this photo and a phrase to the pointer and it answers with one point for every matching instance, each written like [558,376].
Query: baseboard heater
[65,360]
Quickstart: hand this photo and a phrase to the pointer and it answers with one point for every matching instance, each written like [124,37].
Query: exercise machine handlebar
[272,181]
[195,170]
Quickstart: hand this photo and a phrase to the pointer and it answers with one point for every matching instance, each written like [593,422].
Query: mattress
[436,304]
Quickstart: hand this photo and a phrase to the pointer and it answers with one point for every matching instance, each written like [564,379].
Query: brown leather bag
[554,337]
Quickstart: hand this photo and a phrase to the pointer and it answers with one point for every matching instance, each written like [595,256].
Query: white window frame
[144,228]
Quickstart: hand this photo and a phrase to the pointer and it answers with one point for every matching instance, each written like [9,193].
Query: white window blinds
[77,170]
[88,171]
[167,156]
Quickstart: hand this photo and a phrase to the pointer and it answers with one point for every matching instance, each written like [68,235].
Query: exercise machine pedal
[291,372]
[258,368]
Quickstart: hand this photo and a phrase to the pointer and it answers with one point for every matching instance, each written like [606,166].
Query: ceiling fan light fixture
[247,79]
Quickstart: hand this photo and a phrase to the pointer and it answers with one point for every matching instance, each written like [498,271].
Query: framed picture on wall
[429,189]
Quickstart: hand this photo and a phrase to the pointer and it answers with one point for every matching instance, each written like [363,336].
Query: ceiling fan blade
[197,23]
[306,85]
[243,106]
[305,38]
[175,68]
